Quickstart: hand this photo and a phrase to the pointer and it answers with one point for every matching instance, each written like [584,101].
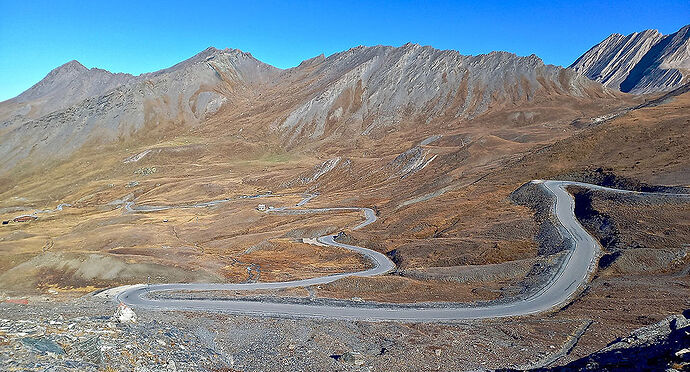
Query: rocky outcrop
[410,162]
[125,314]
[610,61]
[657,347]
[642,62]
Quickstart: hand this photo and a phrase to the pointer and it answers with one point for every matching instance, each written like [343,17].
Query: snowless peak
[383,82]
[68,84]
[212,53]
[203,57]
[535,58]
[231,51]
[313,61]
[71,66]
[410,45]
[205,54]
[641,62]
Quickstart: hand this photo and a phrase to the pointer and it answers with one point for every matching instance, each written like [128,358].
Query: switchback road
[574,272]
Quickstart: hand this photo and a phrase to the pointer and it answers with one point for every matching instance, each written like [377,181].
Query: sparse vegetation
[169,194]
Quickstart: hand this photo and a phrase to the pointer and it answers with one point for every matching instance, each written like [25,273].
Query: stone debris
[125,314]
[661,346]
[684,354]
[137,157]
[145,171]
[89,350]
[93,343]
[42,345]
[353,357]
[79,335]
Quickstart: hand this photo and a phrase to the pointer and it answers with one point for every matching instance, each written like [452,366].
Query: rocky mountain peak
[56,78]
[312,61]
[70,66]
[366,90]
[410,45]
[676,54]
[226,63]
[213,52]
[641,62]
[62,87]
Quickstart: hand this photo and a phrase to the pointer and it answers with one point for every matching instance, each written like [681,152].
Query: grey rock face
[653,348]
[610,61]
[42,345]
[63,87]
[367,90]
[643,62]
[184,93]
[411,161]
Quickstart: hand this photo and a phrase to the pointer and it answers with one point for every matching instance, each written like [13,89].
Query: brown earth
[449,225]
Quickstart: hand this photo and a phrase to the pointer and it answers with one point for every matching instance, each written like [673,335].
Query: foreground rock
[658,347]
[353,357]
[125,314]
[190,341]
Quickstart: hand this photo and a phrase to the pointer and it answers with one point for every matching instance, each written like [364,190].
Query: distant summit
[72,65]
[64,86]
[642,62]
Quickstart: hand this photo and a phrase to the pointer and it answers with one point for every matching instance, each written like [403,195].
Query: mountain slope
[365,92]
[181,95]
[643,62]
[371,90]
[64,86]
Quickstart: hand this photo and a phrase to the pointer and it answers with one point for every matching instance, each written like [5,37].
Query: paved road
[57,209]
[578,265]
[131,207]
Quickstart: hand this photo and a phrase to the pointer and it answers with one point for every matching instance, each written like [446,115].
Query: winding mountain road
[579,263]
[37,211]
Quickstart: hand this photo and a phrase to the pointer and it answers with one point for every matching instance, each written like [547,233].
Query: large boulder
[353,357]
[125,314]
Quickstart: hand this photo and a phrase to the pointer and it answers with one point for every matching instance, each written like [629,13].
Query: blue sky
[143,36]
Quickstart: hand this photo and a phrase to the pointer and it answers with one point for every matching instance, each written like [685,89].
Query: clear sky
[143,36]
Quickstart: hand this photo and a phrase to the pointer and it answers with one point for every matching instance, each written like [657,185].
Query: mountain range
[363,91]
[642,62]
[200,172]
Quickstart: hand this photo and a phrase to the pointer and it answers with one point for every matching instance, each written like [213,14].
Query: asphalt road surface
[574,272]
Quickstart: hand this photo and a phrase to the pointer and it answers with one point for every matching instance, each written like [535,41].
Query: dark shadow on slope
[650,60]
[599,224]
[607,178]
